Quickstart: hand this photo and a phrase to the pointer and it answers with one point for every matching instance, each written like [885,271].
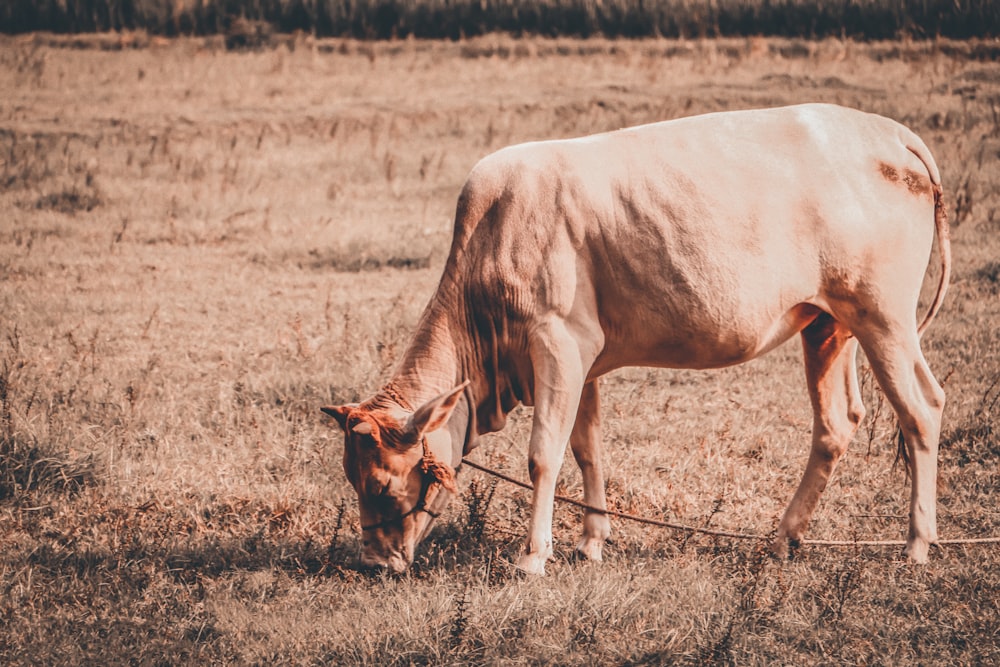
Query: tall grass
[254,20]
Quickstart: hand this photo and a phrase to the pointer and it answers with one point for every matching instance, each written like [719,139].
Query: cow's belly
[700,342]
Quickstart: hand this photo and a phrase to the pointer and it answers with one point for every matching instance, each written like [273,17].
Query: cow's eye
[378,489]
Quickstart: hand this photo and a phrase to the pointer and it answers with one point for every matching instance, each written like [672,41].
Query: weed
[29,467]
[742,618]
[879,426]
[32,468]
[989,276]
[978,438]
[70,201]
[477,503]
[355,260]
[845,582]
[460,620]
[332,551]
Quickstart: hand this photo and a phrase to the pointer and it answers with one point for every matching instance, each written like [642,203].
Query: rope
[713,532]
[898,543]
[615,513]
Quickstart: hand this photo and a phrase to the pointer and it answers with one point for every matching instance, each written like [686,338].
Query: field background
[199,247]
[261,21]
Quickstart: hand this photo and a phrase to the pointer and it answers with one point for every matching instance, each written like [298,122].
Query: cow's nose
[395,563]
[373,566]
[398,564]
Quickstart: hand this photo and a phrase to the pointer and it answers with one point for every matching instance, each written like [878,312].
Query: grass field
[198,248]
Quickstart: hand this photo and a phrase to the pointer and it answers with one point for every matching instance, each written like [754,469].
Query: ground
[198,248]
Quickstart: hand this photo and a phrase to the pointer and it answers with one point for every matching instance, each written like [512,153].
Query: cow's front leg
[585,442]
[559,377]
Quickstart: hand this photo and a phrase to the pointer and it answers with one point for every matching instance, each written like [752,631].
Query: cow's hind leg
[918,400]
[586,444]
[831,375]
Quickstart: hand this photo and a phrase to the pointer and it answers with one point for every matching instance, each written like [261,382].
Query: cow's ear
[435,413]
[340,412]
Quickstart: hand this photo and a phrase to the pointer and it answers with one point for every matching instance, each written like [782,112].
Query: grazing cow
[694,243]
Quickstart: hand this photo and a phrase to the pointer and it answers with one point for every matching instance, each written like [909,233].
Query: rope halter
[434,475]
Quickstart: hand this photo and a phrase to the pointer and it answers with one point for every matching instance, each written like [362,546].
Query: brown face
[397,469]
[392,492]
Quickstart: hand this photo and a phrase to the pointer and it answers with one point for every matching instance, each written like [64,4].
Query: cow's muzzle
[396,563]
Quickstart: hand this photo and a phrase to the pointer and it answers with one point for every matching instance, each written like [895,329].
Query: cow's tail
[919,148]
[944,250]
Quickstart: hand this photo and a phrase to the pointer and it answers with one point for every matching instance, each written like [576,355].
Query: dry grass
[199,248]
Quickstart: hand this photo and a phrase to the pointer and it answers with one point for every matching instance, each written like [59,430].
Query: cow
[696,243]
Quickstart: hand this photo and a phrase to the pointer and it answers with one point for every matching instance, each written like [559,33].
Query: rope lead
[718,533]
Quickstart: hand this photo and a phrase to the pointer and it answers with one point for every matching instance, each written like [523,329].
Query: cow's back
[692,240]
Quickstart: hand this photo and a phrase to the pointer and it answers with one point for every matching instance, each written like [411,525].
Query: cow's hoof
[916,551]
[784,547]
[779,548]
[591,548]
[533,564]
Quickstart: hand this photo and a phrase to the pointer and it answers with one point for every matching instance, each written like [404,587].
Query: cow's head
[396,460]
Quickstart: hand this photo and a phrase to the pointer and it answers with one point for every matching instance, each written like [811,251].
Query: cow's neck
[448,349]
[430,365]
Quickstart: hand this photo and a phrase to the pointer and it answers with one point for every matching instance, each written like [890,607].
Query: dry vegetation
[198,248]
[253,22]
